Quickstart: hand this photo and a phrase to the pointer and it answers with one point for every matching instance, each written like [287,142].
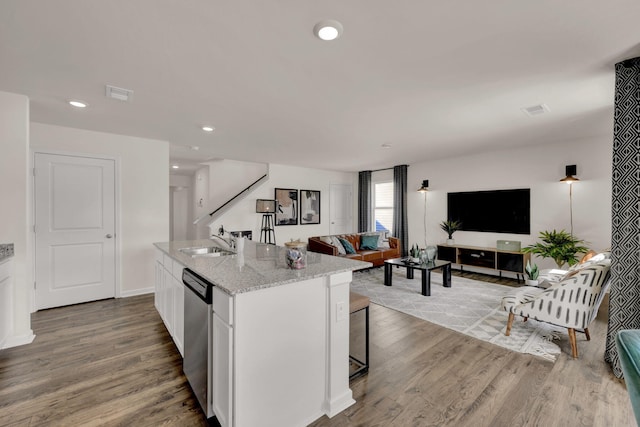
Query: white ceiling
[432,78]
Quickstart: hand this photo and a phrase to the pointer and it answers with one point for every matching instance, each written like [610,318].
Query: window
[383,206]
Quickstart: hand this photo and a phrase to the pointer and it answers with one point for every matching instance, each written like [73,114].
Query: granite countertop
[259,266]
[6,251]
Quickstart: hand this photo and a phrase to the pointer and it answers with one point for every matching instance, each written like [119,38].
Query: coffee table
[424,268]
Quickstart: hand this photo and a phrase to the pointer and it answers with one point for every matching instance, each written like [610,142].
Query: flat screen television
[497,211]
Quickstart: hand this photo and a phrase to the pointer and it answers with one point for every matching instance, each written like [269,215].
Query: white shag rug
[468,306]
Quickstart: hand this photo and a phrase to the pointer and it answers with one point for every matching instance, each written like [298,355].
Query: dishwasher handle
[198,285]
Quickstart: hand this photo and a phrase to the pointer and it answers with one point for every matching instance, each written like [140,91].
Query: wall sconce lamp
[425,186]
[570,170]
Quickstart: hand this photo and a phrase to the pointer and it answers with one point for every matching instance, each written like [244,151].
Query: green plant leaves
[560,246]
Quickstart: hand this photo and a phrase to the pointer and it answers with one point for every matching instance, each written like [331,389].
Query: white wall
[243,216]
[181,207]
[14,196]
[143,167]
[201,202]
[227,178]
[538,168]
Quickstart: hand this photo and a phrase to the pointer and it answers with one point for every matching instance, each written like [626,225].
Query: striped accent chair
[571,303]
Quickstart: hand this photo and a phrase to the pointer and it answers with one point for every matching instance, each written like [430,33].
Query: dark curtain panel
[400,227]
[624,297]
[364,201]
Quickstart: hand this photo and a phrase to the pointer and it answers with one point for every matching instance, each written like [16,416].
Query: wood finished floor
[112,363]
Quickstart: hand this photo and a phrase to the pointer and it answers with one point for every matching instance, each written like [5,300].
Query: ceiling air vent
[118,93]
[536,110]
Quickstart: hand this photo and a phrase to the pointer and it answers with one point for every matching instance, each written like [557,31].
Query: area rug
[468,306]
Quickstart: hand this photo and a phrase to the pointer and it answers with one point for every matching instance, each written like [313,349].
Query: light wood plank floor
[112,363]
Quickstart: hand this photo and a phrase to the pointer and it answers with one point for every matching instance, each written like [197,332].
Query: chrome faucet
[230,242]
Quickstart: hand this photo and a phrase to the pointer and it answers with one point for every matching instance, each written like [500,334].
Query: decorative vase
[414,260]
[424,257]
[451,242]
[431,252]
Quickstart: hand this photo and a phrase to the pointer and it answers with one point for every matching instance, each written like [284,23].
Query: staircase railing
[229,203]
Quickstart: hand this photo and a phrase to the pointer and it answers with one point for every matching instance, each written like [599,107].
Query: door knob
[109,236]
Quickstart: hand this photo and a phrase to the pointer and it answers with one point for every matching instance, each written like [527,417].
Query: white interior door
[341,208]
[75,229]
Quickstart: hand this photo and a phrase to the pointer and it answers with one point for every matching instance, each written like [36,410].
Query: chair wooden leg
[574,344]
[509,324]
[525,319]
[586,332]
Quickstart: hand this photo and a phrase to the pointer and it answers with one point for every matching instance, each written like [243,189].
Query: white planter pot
[451,242]
[530,282]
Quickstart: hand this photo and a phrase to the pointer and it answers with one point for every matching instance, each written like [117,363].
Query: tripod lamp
[267,208]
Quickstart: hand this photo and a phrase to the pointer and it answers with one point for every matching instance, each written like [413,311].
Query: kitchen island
[280,337]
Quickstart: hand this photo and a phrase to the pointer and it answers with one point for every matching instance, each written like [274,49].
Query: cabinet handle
[108,236]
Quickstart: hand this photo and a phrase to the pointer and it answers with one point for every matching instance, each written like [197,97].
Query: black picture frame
[309,207]
[286,206]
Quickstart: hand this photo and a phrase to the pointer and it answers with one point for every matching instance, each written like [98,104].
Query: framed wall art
[309,207]
[286,206]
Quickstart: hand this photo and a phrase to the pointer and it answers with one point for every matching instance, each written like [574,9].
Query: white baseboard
[136,292]
[18,340]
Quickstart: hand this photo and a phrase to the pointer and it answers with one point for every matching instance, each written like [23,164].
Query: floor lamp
[424,189]
[267,208]
[570,170]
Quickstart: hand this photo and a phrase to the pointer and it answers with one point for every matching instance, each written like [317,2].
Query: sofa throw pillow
[369,242]
[326,239]
[348,247]
[336,242]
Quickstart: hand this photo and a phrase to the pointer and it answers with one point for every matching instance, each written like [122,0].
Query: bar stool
[357,303]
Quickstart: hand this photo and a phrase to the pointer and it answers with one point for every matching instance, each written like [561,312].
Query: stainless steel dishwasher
[196,364]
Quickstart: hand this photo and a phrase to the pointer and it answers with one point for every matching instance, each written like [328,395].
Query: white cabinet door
[6,301]
[178,314]
[222,370]
[159,277]
[167,292]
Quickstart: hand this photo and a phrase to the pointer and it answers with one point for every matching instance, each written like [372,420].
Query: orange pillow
[587,256]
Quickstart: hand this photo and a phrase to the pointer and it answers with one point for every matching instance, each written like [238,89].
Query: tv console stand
[489,258]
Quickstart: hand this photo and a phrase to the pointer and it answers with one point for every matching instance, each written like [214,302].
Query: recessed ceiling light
[328,30]
[175,167]
[78,104]
[194,147]
[386,146]
[208,128]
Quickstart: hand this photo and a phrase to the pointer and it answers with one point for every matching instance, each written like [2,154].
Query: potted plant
[450,226]
[532,274]
[414,254]
[560,246]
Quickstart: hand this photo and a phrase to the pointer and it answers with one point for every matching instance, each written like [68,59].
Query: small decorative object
[414,254]
[296,255]
[431,252]
[561,246]
[450,226]
[424,259]
[532,274]
[309,207]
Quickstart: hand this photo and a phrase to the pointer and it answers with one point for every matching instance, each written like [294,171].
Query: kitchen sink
[208,251]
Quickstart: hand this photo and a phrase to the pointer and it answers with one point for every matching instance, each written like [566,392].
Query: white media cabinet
[490,258]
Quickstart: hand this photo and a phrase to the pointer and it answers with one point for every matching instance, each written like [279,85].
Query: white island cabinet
[280,337]
[6,301]
[169,296]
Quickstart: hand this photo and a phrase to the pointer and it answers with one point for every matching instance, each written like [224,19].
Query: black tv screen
[498,211]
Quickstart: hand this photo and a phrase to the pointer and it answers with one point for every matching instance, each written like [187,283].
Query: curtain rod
[385,169]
